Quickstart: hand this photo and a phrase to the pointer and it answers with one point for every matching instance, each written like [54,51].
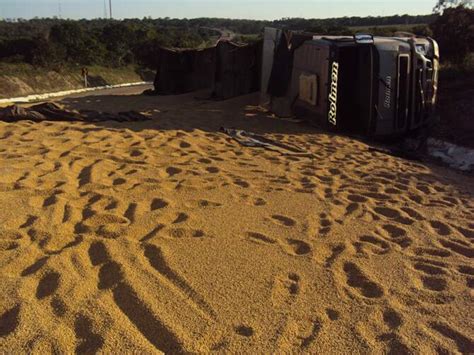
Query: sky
[242,9]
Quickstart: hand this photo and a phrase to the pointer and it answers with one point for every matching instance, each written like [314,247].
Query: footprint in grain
[212,170]
[463,342]
[171,171]
[394,214]
[48,285]
[259,202]
[8,245]
[332,314]
[413,214]
[36,266]
[158,261]
[9,321]
[467,233]
[458,248]
[440,228]
[241,183]
[441,253]
[298,247]
[294,283]
[336,251]
[434,283]
[283,220]
[466,270]
[89,342]
[179,233]
[136,153]
[205,203]
[377,245]
[111,277]
[392,319]
[131,212]
[98,253]
[430,267]
[285,289]
[182,217]
[158,204]
[58,306]
[244,330]
[356,279]
[260,238]
[313,328]
[357,198]
[51,200]
[397,235]
[119,181]
[325,224]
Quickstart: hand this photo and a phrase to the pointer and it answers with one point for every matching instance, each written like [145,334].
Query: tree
[71,37]
[118,38]
[445,4]
[454,31]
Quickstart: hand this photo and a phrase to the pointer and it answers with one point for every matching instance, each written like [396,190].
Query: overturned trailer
[237,70]
[184,70]
[228,69]
[376,86]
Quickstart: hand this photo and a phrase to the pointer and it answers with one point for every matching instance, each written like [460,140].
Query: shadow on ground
[96,81]
[186,113]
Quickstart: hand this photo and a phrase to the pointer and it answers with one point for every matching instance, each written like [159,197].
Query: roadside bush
[20,50]
[383,31]
[454,31]
[422,30]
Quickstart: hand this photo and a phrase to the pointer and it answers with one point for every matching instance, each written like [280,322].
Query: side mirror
[361,38]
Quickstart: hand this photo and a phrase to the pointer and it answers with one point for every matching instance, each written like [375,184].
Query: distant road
[226,35]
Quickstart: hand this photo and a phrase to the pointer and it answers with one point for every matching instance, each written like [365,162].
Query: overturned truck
[377,86]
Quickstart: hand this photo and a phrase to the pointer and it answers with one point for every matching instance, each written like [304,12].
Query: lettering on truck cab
[387,102]
[332,116]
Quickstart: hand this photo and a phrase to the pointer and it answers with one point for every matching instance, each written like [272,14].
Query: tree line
[56,42]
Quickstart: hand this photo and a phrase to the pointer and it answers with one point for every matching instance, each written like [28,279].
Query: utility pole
[110,7]
[105,8]
[59,9]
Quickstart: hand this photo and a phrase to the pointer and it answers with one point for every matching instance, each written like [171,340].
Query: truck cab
[377,86]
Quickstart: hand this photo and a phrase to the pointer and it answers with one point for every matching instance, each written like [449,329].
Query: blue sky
[251,9]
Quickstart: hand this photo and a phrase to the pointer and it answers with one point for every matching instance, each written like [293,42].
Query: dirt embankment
[21,80]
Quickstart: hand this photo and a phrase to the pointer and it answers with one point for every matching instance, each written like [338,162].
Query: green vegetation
[54,43]
[454,31]
[391,30]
